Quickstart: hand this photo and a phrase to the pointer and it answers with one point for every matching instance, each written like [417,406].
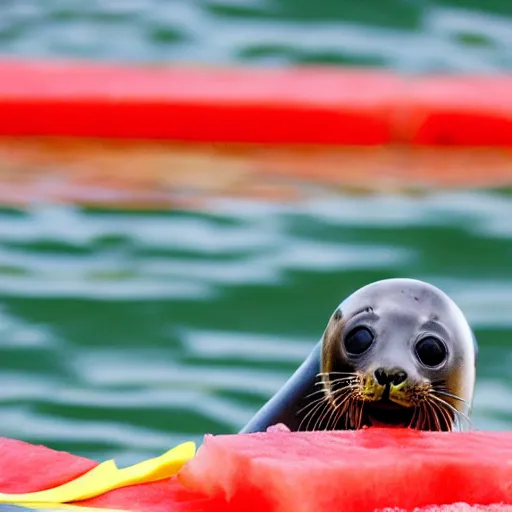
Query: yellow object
[107,477]
[64,507]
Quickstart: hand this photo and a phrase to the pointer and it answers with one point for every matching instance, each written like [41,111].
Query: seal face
[397,352]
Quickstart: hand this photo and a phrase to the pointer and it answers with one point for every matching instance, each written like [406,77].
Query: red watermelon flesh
[26,467]
[455,507]
[164,496]
[354,471]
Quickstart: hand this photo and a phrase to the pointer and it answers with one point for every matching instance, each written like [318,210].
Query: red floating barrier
[331,106]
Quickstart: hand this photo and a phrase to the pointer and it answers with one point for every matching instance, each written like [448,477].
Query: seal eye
[431,351]
[358,340]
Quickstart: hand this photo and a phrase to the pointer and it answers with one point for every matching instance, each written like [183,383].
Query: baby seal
[397,352]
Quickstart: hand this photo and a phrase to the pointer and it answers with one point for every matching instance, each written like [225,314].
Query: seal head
[397,352]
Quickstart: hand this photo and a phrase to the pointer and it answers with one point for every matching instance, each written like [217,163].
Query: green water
[126,333]
[410,35]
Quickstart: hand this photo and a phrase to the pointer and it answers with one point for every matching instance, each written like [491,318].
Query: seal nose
[395,376]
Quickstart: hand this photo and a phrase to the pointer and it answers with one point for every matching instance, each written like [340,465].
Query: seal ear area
[331,349]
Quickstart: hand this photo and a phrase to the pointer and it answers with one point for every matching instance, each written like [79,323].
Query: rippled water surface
[412,35]
[124,333]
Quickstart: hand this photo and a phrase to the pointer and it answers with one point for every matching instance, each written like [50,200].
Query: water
[409,35]
[125,333]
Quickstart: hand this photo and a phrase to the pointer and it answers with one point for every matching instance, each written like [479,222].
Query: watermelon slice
[353,471]
[164,496]
[279,471]
[25,467]
[455,507]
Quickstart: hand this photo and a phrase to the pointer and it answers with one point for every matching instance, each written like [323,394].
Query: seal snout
[394,376]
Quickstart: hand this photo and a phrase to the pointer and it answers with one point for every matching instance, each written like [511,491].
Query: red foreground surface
[273,106]
[354,471]
[25,467]
[364,471]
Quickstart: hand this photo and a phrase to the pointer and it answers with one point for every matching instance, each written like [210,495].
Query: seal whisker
[318,407]
[329,402]
[414,416]
[345,382]
[313,403]
[428,410]
[333,415]
[318,391]
[343,379]
[426,418]
[344,396]
[328,415]
[336,418]
[437,413]
[343,408]
[434,414]
[321,418]
[360,417]
[423,424]
[311,417]
[439,388]
[333,381]
[334,392]
[420,418]
[348,413]
[445,416]
[453,409]
[357,411]
[353,412]
[451,395]
[327,374]
[345,393]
